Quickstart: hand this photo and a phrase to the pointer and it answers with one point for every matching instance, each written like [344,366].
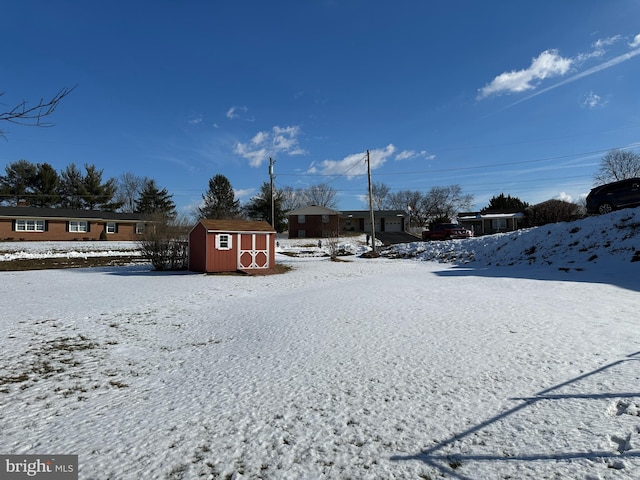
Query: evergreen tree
[259,207]
[154,201]
[72,188]
[18,183]
[46,186]
[98,195]
[219,201]
[506,204]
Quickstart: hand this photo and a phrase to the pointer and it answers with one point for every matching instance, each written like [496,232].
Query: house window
[111,227]
[499,223]
[78,226]
[223,241]
[29,225]
[139,228]
[325,218]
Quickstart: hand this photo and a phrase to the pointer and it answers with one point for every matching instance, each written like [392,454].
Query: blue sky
[520,98]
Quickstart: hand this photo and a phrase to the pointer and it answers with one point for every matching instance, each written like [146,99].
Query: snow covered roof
[489,216]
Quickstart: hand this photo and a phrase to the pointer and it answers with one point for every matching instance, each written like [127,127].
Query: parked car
[611,196]
[446,231]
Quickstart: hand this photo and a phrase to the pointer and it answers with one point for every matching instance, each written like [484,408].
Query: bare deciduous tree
[618,165]
[292,199]
[445,202]
[128,189]
[380,192]
[408,200]
[322,195]
[439,202]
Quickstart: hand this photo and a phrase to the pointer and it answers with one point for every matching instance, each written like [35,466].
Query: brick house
[26,223]
[320,222]
[488,223]
[313,221]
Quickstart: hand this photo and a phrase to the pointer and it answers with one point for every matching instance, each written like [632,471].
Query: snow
[506,356]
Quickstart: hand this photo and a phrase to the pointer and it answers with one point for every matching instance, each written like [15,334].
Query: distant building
[25,223]
[385,221]
[315,221]
[488,223]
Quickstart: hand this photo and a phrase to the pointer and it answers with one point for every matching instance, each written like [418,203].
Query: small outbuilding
[217,246]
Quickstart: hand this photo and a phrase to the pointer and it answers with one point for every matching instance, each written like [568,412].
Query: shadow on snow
[447,463]
[624,275]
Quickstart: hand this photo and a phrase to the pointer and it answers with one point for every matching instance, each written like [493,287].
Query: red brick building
[46,224]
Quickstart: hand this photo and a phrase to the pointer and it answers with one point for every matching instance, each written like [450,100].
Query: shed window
[325,218]
[29,225]
[78,226]
[301,218]
[223,241]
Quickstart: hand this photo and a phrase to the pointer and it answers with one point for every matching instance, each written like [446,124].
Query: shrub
[165,244]
[552,211]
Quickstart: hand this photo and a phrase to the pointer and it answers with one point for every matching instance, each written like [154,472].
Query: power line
[458,169]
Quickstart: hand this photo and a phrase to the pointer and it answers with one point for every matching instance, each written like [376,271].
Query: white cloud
[599,45]
[598,68]
[195,120]
[550,64]
[546,65]
[270,144]
[286,139]
[260,138]
[592,100]
[354,164]
[234,112]
[408,154]
[599,49]
[565,197]
[244,193]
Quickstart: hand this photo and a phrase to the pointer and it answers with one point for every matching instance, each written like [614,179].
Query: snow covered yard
[523,363]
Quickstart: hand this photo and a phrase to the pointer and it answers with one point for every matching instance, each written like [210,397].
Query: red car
[446,231]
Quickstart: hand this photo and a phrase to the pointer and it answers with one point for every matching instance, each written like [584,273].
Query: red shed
[231,245]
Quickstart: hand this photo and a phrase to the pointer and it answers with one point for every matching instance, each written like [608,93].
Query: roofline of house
[222,230]
[66,213]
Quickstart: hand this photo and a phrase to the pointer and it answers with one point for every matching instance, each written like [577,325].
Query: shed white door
[253,251]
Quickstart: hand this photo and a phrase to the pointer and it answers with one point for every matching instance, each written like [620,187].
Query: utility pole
[373,220]
[273,203]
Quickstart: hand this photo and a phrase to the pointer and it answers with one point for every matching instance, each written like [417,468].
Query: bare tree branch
[32,116]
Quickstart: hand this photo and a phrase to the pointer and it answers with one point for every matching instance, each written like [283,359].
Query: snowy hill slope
[589,241]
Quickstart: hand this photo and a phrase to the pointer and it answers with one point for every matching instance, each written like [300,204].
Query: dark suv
[605,198]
